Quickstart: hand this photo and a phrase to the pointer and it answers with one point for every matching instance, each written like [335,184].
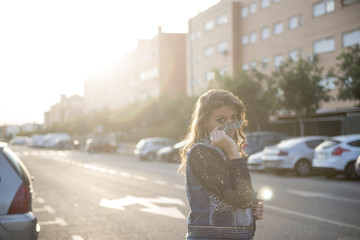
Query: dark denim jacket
[211,218]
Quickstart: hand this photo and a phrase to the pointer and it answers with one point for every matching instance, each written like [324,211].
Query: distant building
[234,35]
[68,108]
[155,68]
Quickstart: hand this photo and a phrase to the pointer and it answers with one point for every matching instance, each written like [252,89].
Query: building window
[253,37]
[293,22]
[192,37]
[265,3]
[245,67]
[252,8]
[328,83]
[223,71]
[245,40]
[348,2]
[278,60]
[197,80]
[198,58]
[210,76]
[265,62]
[209,25]
[294,55]
[351,38]
[265,33]
[209,51]
[222,47]
[323,7]
[253,64]
[278,28]
[222,19]
[324,45]
[244,12]
[197,34]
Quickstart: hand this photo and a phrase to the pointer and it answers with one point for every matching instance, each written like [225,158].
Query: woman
[222,201]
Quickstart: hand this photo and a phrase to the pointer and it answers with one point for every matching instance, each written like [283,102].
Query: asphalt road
[80,196]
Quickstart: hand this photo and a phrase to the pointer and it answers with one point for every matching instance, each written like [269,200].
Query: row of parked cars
[278,152]
[328,155]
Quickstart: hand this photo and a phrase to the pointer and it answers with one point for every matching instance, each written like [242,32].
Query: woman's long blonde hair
[203,109]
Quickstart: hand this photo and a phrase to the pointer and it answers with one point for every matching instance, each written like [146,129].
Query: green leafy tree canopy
[349,77]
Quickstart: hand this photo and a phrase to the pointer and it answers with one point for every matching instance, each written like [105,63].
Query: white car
[337,155]
[292,154]
[17,220]
[147,148]
[255,163]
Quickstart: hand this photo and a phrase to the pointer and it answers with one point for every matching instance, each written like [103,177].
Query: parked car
[147,148]
[17,221]
[93,146]
[50,139]
[62,144]
[337,155]
[357,166]
[292,154]
[171,153]
[255,162]
[20,140]
[256,141]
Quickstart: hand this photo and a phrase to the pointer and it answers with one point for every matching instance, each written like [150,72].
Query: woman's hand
[220,139]
[259,209]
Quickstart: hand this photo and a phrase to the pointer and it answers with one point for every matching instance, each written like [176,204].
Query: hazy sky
[50,47]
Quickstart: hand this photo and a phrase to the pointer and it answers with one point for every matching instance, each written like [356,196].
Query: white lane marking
[299,214]
[141,178]
[45,208]
[76,237]
[111,171]
[160,182]
[39,199]
[149,205]
[322,195]
[125,174]
[58,221]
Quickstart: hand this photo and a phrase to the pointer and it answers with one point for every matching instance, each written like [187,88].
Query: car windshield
[328,143]
[17,164]
[141,144]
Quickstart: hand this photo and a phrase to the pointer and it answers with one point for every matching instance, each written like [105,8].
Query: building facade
[155,68]
[261,34]
[68,108]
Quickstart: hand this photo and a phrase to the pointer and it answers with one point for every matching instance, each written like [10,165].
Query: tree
[256,90]
[301,88]
[349,78]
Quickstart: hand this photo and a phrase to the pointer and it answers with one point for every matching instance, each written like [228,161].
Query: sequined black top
[230,180]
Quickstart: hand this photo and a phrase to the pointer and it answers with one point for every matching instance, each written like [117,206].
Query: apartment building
[155,68]
[261,34]
[67,109]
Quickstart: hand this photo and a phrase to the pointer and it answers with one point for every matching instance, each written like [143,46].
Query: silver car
[292,154]
[17,220]
[147,148]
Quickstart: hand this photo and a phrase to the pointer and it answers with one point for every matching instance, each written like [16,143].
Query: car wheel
[350,172]
[150,156]
[302,168]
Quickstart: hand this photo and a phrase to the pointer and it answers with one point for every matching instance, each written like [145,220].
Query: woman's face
[220,117]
